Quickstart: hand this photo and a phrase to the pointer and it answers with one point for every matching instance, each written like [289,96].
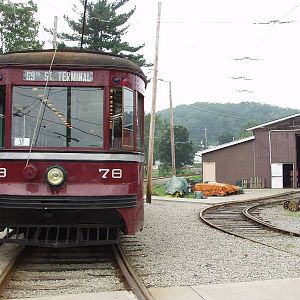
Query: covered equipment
[217,189]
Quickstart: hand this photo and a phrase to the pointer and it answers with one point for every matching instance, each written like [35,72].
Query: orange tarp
[216,189]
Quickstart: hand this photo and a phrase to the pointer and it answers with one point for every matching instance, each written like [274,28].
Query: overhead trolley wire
[223,112]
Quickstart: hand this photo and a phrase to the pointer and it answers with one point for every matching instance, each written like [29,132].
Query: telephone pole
[152,120]
[55,33]
[172,140]
[83,24]
[205,137]
[172,131]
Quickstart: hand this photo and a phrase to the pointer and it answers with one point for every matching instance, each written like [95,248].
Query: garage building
[271,156]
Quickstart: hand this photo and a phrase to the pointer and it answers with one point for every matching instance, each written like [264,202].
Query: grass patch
[292,214]
[194,177]
[159,190]
[288,213]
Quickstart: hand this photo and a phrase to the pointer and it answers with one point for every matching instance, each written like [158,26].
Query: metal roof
[70,58]
[228,144]
[273,122]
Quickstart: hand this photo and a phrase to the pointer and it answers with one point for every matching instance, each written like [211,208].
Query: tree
[104,29]
[225,137]
[223,117]
[184,148]
[160,125]
[18,26]
[244,133]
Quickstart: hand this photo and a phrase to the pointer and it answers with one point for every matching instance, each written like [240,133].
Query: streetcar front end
[71,148]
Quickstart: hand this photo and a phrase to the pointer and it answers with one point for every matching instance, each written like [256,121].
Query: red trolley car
[71,147]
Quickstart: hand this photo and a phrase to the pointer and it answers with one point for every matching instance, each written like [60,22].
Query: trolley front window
[57,116]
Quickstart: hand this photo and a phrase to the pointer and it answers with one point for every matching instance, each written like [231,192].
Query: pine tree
[18,26]
[104,29]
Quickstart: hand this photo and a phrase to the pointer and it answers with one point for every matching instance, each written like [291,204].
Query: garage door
[277,176]
[209,171]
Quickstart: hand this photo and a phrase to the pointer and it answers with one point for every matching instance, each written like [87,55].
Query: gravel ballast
[177,249]
[282,218]
[7,252]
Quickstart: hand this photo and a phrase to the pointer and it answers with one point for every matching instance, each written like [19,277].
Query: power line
[223,112]
[244,91]
[289,11]
[219,112]
[241,77]
[274,22]
[246,58]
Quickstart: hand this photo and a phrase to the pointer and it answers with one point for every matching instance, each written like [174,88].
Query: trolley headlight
[56,176]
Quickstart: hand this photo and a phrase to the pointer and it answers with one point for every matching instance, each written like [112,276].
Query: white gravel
[176,248]
[7,252]
[282,218]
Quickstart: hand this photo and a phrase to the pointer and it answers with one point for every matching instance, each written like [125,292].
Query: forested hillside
[219,119]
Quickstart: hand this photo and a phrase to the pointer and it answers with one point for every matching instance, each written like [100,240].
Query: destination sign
[74,76]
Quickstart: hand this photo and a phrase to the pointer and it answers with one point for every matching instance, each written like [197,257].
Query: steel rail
[136,285]
[9,269]
[247,214]
[132,279]
[239,213]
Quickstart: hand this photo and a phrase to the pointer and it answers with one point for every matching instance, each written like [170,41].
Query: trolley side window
[57,116]
[2,105]
[121,109]
[128,117]
[115,118]
[139,121]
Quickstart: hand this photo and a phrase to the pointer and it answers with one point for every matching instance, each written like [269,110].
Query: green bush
[164,171]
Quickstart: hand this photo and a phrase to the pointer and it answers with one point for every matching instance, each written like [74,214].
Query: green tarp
[177,186]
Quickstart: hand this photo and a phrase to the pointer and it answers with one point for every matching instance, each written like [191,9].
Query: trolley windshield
[57,116]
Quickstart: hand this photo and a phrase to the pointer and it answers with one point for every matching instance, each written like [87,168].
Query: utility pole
[55,33]
[152,120]
[172,131]
[205,137]
[83,24]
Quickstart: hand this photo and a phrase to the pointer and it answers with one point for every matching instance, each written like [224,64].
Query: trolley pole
[152,120]
[172,131]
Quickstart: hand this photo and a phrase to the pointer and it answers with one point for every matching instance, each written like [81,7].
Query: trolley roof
[70,58]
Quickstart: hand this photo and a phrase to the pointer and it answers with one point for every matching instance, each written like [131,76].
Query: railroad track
[243,220]
[253,213]
[37,272]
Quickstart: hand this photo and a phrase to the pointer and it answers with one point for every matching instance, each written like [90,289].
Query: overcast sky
[215,51]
